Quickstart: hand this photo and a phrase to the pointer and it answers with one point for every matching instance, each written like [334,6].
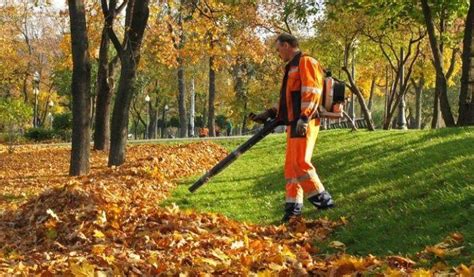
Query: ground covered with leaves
[110,223]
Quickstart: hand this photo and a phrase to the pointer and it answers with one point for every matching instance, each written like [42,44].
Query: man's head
[287,46]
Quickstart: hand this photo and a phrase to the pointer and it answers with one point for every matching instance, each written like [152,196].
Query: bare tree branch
[452,63]
[115,41]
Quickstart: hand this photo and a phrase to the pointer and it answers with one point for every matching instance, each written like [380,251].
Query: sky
[59,4]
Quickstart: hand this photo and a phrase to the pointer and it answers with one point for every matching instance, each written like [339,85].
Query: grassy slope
[399,190]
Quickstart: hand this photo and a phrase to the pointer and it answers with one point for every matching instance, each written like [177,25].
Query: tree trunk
[153,118]
[204,113]
[445,108]
[183,126]
[402,122]
[244,117]
[466,97]
[92,100]
[355,90]
[104,83]
[419,104]
[135,128]
[240,93]
[137,14]
[352,101]
[400,83]
[192,109]
[81,82]
[386,96]
[352,106]
[441,82]
[163,121]
[419,101]
[25,90]
[104,97]
[212,96]
[371,96]
[119,127]
[436,111]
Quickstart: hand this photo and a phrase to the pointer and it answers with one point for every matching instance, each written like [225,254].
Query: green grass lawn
[400,190]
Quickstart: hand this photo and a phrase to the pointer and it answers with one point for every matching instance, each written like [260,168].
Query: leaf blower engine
[332,104]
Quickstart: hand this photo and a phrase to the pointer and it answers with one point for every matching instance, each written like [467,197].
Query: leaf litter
[110,223]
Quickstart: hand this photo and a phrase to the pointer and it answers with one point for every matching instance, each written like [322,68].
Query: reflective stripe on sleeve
[310,90]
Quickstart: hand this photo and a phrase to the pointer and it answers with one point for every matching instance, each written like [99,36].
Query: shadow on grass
[401,191]
[395,204]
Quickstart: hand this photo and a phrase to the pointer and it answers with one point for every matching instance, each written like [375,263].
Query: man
[203,132]
[228,127]
[300,96]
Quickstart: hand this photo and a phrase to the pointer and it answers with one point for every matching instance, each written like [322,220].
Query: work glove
[261,117]
[301,127]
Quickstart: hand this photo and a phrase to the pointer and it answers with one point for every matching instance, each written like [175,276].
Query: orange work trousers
[300,174]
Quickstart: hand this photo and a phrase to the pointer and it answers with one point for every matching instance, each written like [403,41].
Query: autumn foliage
[110,223]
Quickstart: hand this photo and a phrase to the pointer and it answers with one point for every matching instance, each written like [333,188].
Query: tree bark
[435,121]
[245,117]
[402,122]
[212,97]
[25,90]
[192,109]
[183,125]
[466,96]
[153,118]
[119,127]
[419,103]
[103,84]
[81,83]
[441,80]
[371,96]
[240,93]
[163,121]
[204,112]
[136,19]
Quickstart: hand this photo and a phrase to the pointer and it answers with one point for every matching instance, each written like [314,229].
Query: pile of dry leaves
[109,223]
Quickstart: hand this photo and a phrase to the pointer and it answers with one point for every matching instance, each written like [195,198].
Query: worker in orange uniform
[203,132]
[300,96]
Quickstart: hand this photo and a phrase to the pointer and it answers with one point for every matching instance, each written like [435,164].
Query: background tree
[80,88]
[466,96]
[14,116]
[129,53]
[446,10]
[105,77]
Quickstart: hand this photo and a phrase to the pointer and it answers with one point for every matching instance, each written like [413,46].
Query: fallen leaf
[82,270]
[465,271]
[337,244]
[98,234]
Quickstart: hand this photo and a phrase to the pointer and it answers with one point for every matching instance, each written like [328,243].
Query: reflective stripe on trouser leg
[298,167]
[309,182]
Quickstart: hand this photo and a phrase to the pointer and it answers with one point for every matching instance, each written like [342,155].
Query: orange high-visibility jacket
[301,90]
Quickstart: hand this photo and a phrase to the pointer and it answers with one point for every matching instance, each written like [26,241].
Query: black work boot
[291,210]
[322,200]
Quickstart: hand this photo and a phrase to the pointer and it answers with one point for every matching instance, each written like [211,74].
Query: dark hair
[290,39]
